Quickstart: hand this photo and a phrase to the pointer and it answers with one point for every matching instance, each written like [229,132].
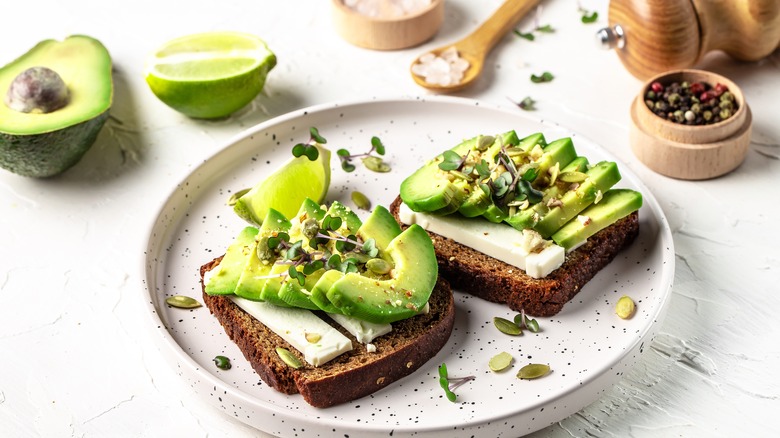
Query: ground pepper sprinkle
[696,103]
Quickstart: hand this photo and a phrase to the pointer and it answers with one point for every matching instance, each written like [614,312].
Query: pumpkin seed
[625,307]
[500,361]
[533,371]
[222,362]
[507,327]
[288,358]
[379,266]
[376,164]
[234,197]
[573,177]
[313,338]
[484,142]
[182,302]
[361,201]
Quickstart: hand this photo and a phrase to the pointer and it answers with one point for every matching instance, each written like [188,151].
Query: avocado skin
[50,153]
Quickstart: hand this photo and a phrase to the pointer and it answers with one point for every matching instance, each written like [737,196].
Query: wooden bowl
[393,33]
[691,152]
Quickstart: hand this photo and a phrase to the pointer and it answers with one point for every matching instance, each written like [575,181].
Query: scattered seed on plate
[507,327]
[361,201]
[500,362]
[625,307]
[182,302]
[533,371]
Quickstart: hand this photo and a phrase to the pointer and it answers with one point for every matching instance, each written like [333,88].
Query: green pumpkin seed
[507,327]
[379,266]
[573,177]
[376,164]
[484,142]
[234,197]
[182,302]
[533,371]
[500,362]
[288,357]
[222,362]
[361,201]
[313,338]
[625,307]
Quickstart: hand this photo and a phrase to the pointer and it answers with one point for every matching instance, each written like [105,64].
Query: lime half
[286,188]
[210,75]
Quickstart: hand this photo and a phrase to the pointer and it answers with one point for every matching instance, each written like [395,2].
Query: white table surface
[76,357]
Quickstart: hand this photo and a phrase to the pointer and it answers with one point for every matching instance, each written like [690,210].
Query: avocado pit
[37,90]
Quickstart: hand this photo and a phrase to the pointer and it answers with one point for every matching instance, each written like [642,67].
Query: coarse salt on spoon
[470,52]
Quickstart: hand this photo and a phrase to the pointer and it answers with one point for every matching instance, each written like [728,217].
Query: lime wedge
[286,188]
[209,75]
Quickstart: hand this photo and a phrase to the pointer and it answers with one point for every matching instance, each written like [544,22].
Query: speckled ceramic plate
[587,346]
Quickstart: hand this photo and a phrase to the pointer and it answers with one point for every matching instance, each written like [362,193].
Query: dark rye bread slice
[353,375]
[493,280]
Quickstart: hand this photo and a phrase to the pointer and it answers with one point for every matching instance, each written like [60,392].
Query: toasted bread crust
[352,375]
[496,281]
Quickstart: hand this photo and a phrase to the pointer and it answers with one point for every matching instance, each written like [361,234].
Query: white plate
[587,346]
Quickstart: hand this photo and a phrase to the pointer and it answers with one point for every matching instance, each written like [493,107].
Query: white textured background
[75,354]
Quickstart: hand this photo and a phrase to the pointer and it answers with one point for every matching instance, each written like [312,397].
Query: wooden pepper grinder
[654,36]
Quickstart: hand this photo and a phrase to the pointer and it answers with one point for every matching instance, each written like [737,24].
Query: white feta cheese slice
[292,324]
[363,331]
[499,241]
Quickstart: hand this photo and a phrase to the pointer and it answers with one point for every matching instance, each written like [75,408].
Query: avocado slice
[256,271]
[403,295]
[430,190]
[525,218]
[43,144]
[225,276]
[559,152]
[380,226]
[600,178]
[615,204]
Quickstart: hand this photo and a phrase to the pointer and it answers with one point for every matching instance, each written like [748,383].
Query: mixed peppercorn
[696,103]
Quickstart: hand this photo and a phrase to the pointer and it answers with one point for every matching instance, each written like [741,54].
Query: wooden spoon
[475,47]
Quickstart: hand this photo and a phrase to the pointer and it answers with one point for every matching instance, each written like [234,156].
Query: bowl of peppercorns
[690,124]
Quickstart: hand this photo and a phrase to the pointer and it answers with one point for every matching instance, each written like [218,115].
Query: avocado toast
[329,306]
[519,220]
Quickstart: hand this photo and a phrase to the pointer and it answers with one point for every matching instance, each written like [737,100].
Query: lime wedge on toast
[286,188]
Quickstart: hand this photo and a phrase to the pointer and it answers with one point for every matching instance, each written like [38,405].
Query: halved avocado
[42,144]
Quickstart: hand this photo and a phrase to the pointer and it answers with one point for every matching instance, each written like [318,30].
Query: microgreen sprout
[538,28]
[586,15]
[309,149]
[527,104]
[372,162]
[306,261]
[522,320]
[544,77]
[450,384]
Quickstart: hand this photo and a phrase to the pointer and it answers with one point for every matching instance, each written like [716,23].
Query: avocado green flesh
[44,145]
[84,65]
[225,276]
[601,178]
[525,218]
[428,189]
[402,296]
[560,151]
[614,205]
[255,272]
[361,295]
[381,226]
